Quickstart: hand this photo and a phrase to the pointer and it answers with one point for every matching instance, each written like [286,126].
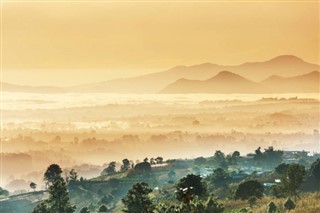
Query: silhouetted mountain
[309,82]
[30,89]
[227,82]
[151,83]
[224,82]
[286,65]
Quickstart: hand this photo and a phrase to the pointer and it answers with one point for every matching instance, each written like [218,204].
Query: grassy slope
[307,203]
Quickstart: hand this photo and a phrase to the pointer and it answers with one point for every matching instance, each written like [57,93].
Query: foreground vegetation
[264,181]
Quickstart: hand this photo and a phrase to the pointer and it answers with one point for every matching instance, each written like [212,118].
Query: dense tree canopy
[293,178]
[189,186]
[53,173]
[137,199]
[143,167]
[248,189]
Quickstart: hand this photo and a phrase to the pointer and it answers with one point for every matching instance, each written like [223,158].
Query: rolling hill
[228,82]
[285,65]
[224,82]
[309,82]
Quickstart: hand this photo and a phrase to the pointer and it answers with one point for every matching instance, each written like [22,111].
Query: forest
[266,180]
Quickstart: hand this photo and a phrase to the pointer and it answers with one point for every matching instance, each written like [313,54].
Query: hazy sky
[72,43]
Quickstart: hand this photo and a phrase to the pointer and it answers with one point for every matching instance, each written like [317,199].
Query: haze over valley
[159,106]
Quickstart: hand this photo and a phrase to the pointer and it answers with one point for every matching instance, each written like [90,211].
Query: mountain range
[253,77]
[228,82]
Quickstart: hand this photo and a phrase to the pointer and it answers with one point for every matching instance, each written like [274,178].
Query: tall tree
[137,200]
[53,172]
[58,200]
[293,178]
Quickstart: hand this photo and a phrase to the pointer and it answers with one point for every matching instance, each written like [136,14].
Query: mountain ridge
[287,65]
[309,82]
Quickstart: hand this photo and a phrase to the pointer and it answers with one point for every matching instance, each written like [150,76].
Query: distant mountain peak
[286,58]
[314,72]
[225,75]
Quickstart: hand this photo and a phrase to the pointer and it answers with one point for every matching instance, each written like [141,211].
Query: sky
[70,43]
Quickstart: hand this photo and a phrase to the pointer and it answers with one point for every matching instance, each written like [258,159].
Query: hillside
[224,82]
[228,82]
[287,65]
[309,82]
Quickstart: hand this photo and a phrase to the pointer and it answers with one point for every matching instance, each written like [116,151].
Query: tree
[219,157]
[289,204]
[293,178]
[219,178]
[272,208]
[315,171]
[137,199]
[159,160]
[236,154]
[270,157]
[103,209]
[233,159]
[152,161]
[282,168]
[125,165]
[273,157]
[143,167]
[258,154]
[85,210]
[53,172]
[249,188]
[73,175]
[189,186]
[111,169]
[33,186]
[58,200]
[3,192]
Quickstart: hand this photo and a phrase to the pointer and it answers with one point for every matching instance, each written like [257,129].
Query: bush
[272,208]
[248,189]
[289,204]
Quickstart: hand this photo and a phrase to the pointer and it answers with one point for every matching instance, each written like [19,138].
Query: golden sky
[72,43]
